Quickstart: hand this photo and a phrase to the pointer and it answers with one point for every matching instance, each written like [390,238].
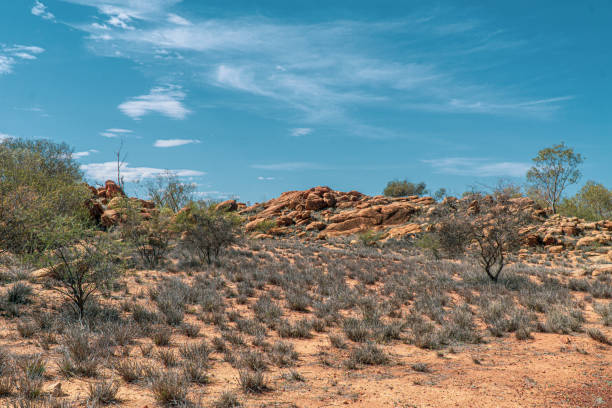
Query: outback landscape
[305,204]
[315,298]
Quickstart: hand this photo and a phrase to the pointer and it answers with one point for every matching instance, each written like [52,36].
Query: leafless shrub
[599,336]
[253,382]
[103,392]
[489,227]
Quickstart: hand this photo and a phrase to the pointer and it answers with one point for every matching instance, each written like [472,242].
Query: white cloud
[265,178]
[173,142]
[4,136]
[118,130]
[40,10]
[78,155]
[301,131]
[178,20]
[6,64]
[9,56]
[164,100]
[324,73]
[289,166]
[108,170]
[115,132]
[217,195]
[463,166]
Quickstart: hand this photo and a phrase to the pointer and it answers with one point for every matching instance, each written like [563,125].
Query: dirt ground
[547,370]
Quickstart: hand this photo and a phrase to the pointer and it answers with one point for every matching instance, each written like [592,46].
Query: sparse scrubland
[182,306]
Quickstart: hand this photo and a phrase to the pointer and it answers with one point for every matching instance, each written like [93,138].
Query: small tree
[205,231]
[487,227]
[39,183]
[554,169]
[403,188]
[80,263]
[150,236]
[168,191]
[593,202]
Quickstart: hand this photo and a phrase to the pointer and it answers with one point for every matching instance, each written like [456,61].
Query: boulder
[408,229]
[316,226]
[315,202]
[533,240]
[110,218]
[112,189]
[550,240]
[555,249]
[228,205]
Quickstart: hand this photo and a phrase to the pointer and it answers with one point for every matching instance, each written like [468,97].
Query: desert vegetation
[176,304]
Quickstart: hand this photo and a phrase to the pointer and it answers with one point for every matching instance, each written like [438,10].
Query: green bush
[149,237]
[403,188]
[205,231]
[41,185]
[370,238]
[265,226]
[429,242]
[593,203]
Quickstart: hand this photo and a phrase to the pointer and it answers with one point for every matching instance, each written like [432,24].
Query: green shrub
[41,187]
[149,237]
[206,231]
[593,203]
[370,238]
[429,242]
[265,226]
[403,188]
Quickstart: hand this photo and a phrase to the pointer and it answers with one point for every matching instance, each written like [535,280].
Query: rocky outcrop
[107,205]
[323,213]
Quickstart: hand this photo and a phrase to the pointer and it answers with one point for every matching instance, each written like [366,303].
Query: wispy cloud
[115,132]
[217,195]
[464,166]
[40,10]
[78,155]
[323,73]
[178,20]
[108,170]
[167,101]
[262,178]
[297,132]
[290,166]
[174,142]
[11,55]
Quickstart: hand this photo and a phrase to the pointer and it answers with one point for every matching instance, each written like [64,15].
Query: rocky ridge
[322,213]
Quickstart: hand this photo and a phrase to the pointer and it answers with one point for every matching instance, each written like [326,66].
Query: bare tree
[78,270]
[489,228]
[168,191]
[120,164]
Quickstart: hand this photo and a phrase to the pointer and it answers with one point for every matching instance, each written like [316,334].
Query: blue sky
[253,98]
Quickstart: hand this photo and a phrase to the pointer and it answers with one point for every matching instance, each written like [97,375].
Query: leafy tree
[167,191]
[40,183]
[593,202]
[554,169]
[403,188]
[440,194]
[205,231]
